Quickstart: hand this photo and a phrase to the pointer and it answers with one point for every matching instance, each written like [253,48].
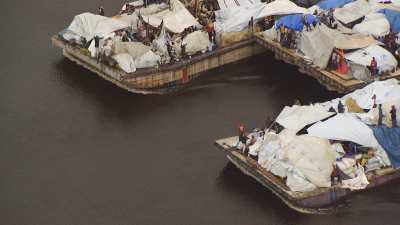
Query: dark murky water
[74,149]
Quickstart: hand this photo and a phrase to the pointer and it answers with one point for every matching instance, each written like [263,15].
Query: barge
[332,80]
[164,78]
[320,200]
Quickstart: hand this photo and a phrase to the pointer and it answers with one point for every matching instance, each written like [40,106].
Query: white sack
[297,117]
[357,183]
[125,61]
[88,25]
[196,42]
[135,49]
[149,59]
[344,127]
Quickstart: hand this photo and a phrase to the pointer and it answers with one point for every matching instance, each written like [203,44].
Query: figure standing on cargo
[380,115]
[241,145]
[340,107]
[210,30]
[374,67]
[101,11]
[393,116]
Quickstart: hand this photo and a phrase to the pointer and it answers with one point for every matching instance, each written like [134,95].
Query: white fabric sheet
[374,24]
[297,117]
[344,127]
[88,25]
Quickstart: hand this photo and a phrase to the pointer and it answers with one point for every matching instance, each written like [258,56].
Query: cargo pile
[331,144]
[142,36]
[359,38]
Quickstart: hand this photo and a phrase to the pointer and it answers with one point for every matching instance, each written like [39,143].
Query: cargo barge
[320,200]
[166,77]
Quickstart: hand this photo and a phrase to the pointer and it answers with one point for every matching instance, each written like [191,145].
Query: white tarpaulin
[225,4]
[196,42]
[352,11]
[385,60]
[149,59]
[234,19]
[381,89]
[281,7]
[297,117]
[125,61]
[318,45]
[237,18]
[88,25]
[374,24]
[313,157]
[175,20]
[344,127]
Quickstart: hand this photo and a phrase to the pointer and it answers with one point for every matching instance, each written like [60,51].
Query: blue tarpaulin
[295,21]
[393,17]
[389,139]
[332,4]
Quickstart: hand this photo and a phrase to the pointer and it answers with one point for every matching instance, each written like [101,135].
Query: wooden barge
[166,77]
[342,83]
[319,201]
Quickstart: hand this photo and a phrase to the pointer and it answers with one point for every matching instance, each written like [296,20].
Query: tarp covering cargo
[313,157]
[295,22]
[385,60]
[389,139]
[196,42]
[135,49]
[88,25]
[352,11]
[281,7]
[226,4]
[332,4]
[385,91]
[125,61]
[237,18]
[175,20]
[374,24]
[344,127]
[393,17]
[297,117]
[318,45]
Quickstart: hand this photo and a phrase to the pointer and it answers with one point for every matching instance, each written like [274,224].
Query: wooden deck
[317,201]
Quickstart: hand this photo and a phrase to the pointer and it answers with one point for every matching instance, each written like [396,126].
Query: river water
[75,149]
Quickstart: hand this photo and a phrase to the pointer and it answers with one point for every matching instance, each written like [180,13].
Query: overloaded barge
[314,156]
[234,33]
